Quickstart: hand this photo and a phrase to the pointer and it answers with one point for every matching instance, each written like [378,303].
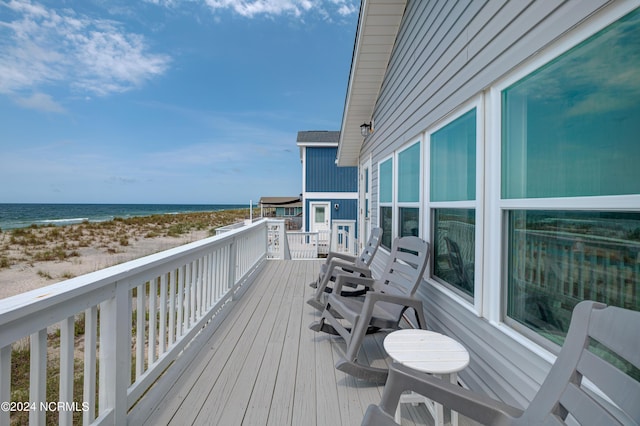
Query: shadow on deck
[264,366]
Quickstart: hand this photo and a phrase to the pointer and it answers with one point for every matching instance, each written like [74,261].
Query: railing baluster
[90,340]
[224,279]
[193,288]
[173,284]
[153,318]
[180,301]
[232,265]
[163,313]
[205,283]
[38,376]
[67,344]
[5,381]
[213,272]
[140,326]
[201,292]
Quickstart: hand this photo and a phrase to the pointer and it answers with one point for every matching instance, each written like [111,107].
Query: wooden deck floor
[264,366]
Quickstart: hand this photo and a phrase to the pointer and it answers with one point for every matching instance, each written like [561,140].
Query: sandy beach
[34,257]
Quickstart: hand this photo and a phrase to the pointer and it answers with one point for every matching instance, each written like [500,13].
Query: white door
[320,220]
[320,216]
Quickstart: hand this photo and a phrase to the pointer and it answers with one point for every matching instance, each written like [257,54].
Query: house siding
[322,174]
[446,53]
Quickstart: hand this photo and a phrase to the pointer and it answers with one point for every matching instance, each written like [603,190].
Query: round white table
[427,352]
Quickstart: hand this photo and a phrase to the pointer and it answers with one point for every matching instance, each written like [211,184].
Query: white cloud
[41,46]
[252,8]
[41,102]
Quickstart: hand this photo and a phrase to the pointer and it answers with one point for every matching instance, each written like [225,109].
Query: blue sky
[166,101]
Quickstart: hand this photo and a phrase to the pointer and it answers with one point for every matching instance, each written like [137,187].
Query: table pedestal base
[441,416]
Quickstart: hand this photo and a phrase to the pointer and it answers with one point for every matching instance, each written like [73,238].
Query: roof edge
[386,14]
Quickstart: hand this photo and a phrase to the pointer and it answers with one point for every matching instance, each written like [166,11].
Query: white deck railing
[138,318]
[308,245]
[343,239]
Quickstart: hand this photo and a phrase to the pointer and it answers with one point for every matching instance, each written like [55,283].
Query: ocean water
[13,216]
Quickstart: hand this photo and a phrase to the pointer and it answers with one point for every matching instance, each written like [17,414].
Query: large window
[409,191]
[385,198]
[453,191]
[399,194]
[570,141]
[453,160]
[571,127]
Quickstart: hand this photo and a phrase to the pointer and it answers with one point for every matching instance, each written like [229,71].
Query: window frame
[394,204]
[409,204]
[390,204]
[498,208]
[474,303]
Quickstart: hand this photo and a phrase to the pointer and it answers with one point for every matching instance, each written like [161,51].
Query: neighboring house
[505,133]
[329,192]
[287,208]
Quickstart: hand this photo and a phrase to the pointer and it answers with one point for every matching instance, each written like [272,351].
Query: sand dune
[35,257]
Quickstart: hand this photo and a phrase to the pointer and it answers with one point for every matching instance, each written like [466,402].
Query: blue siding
[322,174]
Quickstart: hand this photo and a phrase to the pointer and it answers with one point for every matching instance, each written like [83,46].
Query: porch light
[365,129]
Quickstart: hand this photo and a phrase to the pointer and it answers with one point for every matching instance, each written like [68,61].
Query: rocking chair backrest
[366,257]
[617,333]
[405,267]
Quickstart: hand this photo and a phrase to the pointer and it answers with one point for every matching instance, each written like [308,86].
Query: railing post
[284,247]
[232,267]
[115,327]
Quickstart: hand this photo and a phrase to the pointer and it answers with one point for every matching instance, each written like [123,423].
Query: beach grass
[20,371]
[50,243]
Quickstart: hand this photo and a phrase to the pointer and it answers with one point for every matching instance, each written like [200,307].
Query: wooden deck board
[264,366]
[284,391]
[305,395]
[224,380]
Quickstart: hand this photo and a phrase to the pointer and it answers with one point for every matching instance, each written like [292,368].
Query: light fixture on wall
[366,129]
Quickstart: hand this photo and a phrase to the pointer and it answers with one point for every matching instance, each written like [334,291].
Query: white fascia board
[331,195]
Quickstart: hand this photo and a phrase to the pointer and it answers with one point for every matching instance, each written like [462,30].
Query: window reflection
[557,259]
[571,127]
[454,247]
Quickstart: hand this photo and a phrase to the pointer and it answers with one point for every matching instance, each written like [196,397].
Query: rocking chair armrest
[398,299]
[346,267]
[473,405]
[352,281]
[342,256]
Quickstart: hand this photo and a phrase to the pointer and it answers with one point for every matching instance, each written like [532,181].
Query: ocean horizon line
[22,215]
